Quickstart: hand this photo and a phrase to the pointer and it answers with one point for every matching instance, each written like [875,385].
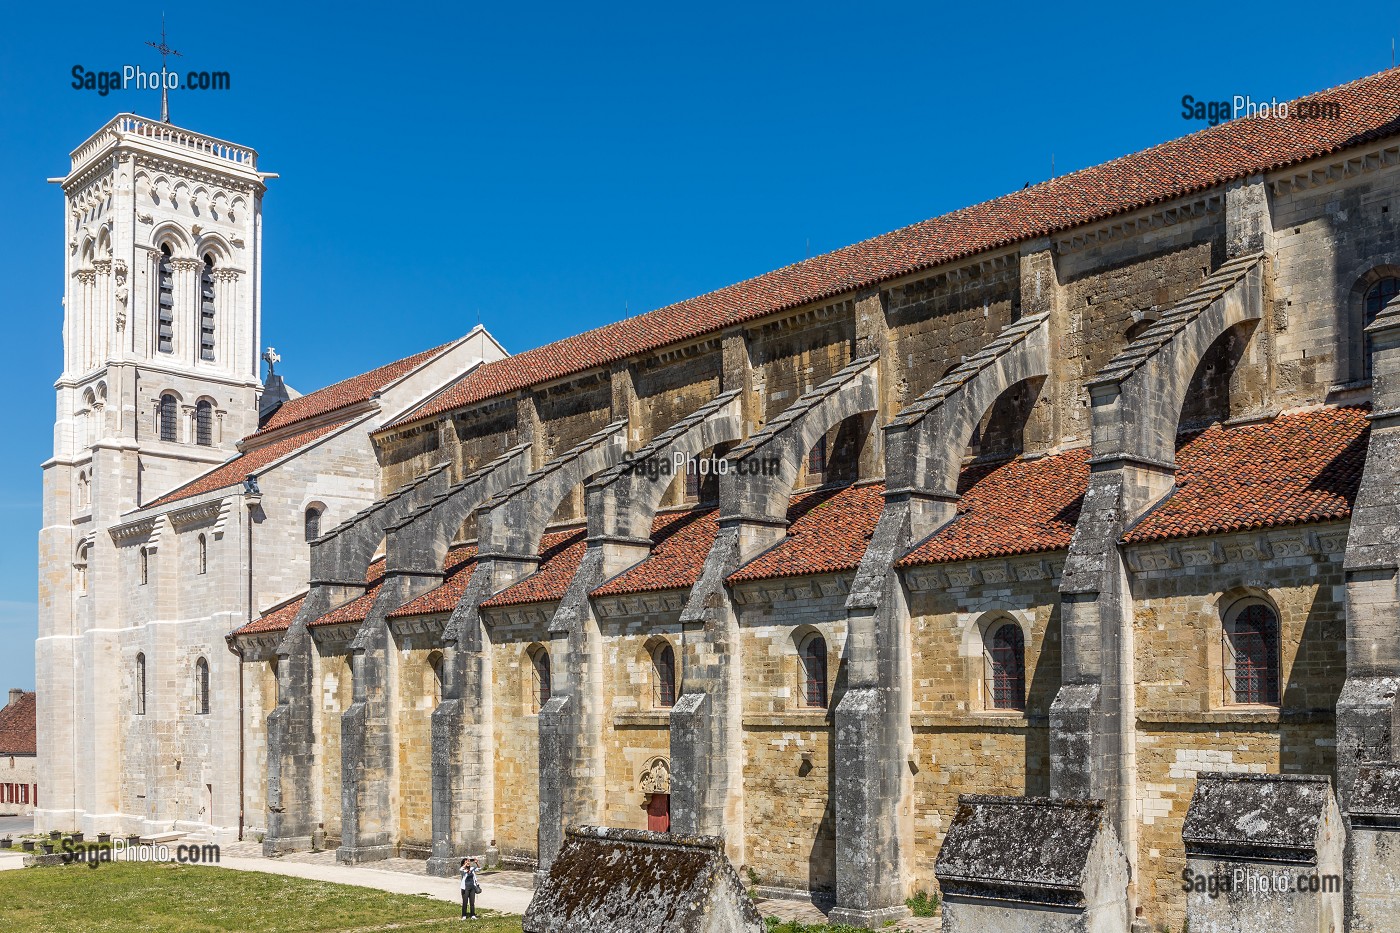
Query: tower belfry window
[206,309]
[165,302]
[204,423]
[165,416]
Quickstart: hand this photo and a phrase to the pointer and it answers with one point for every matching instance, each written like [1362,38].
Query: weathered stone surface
[1264,852]
[1032,863]
[633,881]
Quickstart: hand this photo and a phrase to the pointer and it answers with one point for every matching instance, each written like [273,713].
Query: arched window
[1004,650]
[140,685]
[165,307]
[1251,654]
[663,662]
[435,675]
[145,564]
[313,523]
[542,680]
[206,309]
[816,461]
[813,657]
[201,686]
[1377,297]
[202,555]
[82,569]
[84,490]
[204,423]
[165,417]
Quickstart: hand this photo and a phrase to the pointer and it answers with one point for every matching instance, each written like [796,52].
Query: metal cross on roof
[164,51]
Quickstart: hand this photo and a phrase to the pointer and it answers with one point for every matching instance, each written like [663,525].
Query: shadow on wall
[1040,693]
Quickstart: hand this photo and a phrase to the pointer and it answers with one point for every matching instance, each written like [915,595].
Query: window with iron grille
[542,681]
[313,523]
[1006,666]
[814,672]
[204,423]
[201,671]
[144,559]
[165,302]
[165,416]
[140,685]
[664,681]
[202,557]
[1251,649]
[206,309]
[816,460]
[1377,297]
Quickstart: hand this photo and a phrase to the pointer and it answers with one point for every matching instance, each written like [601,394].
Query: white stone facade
[162,298]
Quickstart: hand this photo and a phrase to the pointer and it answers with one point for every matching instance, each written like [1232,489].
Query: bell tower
[161,305]
[161,323]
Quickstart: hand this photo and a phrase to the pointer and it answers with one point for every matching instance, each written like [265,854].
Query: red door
[659,813]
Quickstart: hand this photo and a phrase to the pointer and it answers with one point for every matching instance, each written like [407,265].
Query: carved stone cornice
[789,589]
[994,571]
[212,512]
[142,530]
[640,604]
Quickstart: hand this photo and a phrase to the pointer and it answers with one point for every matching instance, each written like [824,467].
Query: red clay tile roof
[17,727]
[278,620]
[1011,507]
[347,392]
[681,540]
[232,472]
[1370,109]
[561,552]
[357,609]
[460,563]
[828,532]
[1301,467]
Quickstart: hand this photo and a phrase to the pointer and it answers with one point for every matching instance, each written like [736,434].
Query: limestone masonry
[1052,529]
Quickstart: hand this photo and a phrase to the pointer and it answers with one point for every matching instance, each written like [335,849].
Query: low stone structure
[630,881]
[1013,864]
[1373,855]
[1263,852]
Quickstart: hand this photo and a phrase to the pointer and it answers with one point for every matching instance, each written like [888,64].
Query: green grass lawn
[119,898]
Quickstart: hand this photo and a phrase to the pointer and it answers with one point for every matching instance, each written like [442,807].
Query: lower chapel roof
[1298,468]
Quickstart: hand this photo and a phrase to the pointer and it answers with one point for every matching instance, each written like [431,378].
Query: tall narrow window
[816,460]
[1252,655]
[664,677]
[541,676]
[206,309]
[201,686]
[204,422]
[144,560]
[140,685]
[1377,297]
[165,302]
[1005,651]
[82,568]
[313,523]
[165,415]
[813,656]
[435,675]
[202,555]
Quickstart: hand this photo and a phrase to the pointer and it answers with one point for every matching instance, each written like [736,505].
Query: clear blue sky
[555,167]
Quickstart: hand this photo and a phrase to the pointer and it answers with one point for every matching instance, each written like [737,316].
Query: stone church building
[1078,494]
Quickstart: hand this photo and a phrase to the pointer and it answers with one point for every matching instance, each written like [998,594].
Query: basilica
[1077,496]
